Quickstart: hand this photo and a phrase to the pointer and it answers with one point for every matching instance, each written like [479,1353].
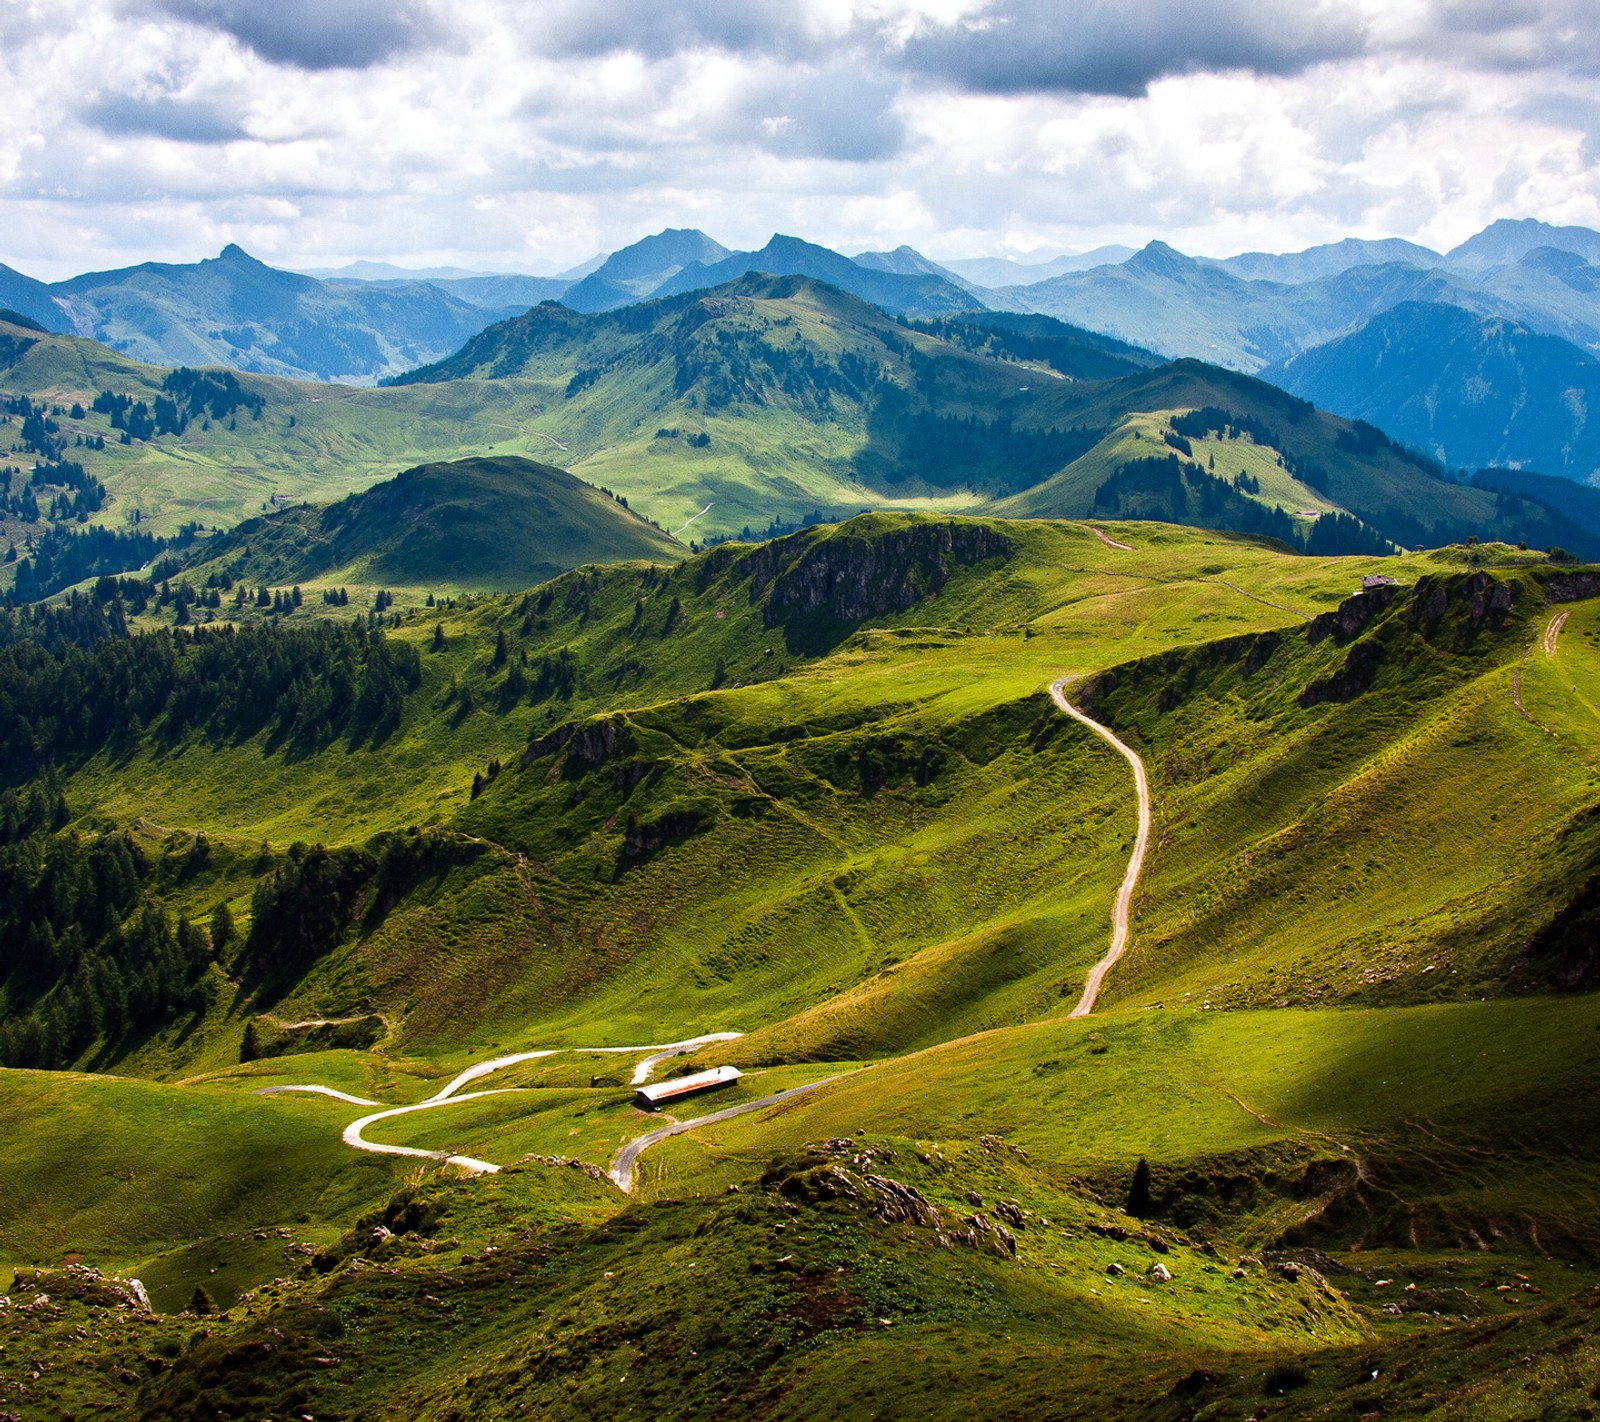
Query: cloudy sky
[511,135]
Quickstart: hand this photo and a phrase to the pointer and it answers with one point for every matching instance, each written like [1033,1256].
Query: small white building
[653,1098]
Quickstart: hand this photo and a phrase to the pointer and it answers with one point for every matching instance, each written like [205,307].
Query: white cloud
[500,134]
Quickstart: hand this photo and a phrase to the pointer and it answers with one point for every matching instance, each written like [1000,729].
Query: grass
[115,1170]
[877,843]
[757,370]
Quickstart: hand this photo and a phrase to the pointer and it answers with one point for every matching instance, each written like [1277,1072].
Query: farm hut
[653,1098]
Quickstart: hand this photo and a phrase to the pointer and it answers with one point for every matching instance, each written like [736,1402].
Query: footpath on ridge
[1122,910]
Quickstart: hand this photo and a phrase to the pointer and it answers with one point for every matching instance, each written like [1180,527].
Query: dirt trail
[447,1095]
[1552,633]
[622,1167]
[1108,540]
[1122,911]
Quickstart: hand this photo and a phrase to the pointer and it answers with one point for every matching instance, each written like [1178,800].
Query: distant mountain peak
[233,252]
[1158,259]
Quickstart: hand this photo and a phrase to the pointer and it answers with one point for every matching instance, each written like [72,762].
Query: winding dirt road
[447,1095]
[1552,633]
[622,1166]
[1122,911]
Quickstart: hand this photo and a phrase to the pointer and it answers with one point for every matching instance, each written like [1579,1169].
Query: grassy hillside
[767,400]
[498,523]
[812,791]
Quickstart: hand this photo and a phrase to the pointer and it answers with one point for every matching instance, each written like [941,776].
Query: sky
[513,136]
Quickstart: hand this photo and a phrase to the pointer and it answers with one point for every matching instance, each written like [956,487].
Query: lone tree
[221,928]
[249,1048]
[200,1302]
[1139,1191]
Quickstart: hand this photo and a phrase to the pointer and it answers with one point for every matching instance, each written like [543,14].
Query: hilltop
[498,523]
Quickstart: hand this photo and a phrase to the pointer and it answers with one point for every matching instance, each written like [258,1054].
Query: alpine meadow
[597,827]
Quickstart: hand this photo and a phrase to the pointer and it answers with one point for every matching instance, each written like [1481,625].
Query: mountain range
[755,406]
[1254,312]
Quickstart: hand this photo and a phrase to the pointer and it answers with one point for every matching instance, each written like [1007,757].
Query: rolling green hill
[812,790]
[767,402]
[496,523]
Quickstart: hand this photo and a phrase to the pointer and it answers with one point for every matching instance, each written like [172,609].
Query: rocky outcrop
[852,576]
[587,744]
[1466,604]
[1572,587]
[841,1171]
[1352,616]
[640,840]
[86,1285]
[1356,675]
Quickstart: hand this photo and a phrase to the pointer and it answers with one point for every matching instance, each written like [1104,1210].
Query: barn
[653,1098]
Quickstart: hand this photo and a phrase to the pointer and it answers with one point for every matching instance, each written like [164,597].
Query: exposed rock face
[1355,676]
[850,577]
[641,840]
[1484,599]
[1351,617]
[1572,587]
[588,743]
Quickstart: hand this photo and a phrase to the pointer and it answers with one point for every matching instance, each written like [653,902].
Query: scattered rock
[1160,1273]
[1115,1270]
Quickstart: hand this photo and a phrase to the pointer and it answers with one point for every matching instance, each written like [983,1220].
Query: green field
[814,792]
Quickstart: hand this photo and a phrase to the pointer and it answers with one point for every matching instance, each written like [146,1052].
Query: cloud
[314,34]
[837,113]
[1116,48]
[182,120]
[658,29]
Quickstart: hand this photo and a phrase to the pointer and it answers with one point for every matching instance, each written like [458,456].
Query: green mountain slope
[812,790]
[766,402]
[488,523]
[1470,390]
[942,418]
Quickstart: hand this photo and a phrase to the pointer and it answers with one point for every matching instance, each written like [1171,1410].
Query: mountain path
[1108,540]
[1122,911]
[703,512]
[621,1171]
[450,1093]
[1552,633]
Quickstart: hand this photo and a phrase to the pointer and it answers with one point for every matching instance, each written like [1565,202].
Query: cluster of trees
[948,450]
[81,621]
[81,494]
[1225,424]
[64,556]
[1362,438]
[86,952]
[305,686]
[187,395]
[17,499]
[1172,488]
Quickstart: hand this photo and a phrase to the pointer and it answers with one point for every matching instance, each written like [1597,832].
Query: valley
[1121,838]
[816,793]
